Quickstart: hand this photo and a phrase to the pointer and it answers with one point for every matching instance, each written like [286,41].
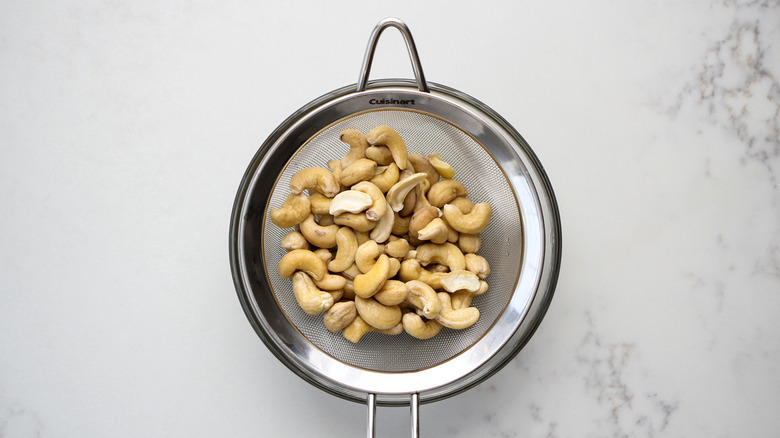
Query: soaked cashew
[339,315]
[312,300]
[347,245]
[388,178]
[445,254]
[357,146]
[387,136]
[421,164]
[471,223]
[320,204]
[420,219]
[384,227]
[351,272]
[331,282]
[356,330]
[400,224]
[356,221]
[366,255]
[378,202]
[325,219]
[457,319]
[316,178]
[366,285]
[380,154]
[351,201]
[464,204]
[460,280]
[436,231]
[397,248]
[416,327]
[444,169]
[412,270]
[392,293]
[423,297]
[392,331]
[294,240]
[324,255]
[361,170]
[292,212]
[335,168]
[478,265]
[318,235]
[445,191]
[302,260]
[397,193]
[469,243]
[376,314]
[462,298]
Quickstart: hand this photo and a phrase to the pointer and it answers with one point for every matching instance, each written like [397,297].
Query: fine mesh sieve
[521,244]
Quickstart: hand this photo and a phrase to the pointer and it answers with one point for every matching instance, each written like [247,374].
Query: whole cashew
[445,191]
[357,146]
[340,315]
[412,270]
[423,297]
[455,318]
[397,248]
[397,193]
[384,227]
[478,265]
[366,255]
[446,254]
[318,235]
[294,240]
[360,170]
[366,285]
[392,293]
[444,169]
[330,283]
[472,223]
[416,327]
[460,280]
[351,272]
[462,298]
[320,204]
[294,210]
[387,136]
[380,154]
[324,255]
[335,168]
[394,330]
[377,315]
[421,164]
[421,200]
[463,203]
[316,178]
[356,330]
[388,178]
[356,221]
[325,220]
[420,219]
[302,260]
[400,224]
[469,243]
[351,201]
[378,205]
[436,231]
[347,245]
[312,300]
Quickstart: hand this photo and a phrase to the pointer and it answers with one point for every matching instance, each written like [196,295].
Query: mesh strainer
[522,242]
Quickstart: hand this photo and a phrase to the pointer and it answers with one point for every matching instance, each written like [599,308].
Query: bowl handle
[411,48]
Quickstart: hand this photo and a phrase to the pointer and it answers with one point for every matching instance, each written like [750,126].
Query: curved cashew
[335,168]
[394,330]
[361,170]
[349,290]
[366,285]
[387,179]
[339,315]
[318,235]
[384,227]
[378,205]
[351,201]
[294,240]
[387,136]
[419,192]
[438,268]
[351,272]
[436,231]
[356,221]
[463,203]
[397,248]
[331,283]
[460,280]
[469,243]
[473,222]
[357,146]
[397,193]
[325,220]
[294,210]
[446,254]
[392,293]
[380,154]
[412,270]
[445,191]
[302,260]
[478,265]
[416,327]
[347,245]
[395,266]
[320,204]
[423,297]
[312,300]
[410,201]
[377,315]
[317,178]
[420,219]
[400,224]
[324,255]
[455,318]
[462,298]
[356,330]
[452,234]
[444,169]
[421,164]
[366,255]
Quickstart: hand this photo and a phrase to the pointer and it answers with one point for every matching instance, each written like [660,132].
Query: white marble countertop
[125,128]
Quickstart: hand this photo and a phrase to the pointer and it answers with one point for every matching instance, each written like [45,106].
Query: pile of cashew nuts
[386,241]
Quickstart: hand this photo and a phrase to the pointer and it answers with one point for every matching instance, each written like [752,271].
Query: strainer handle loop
[414,406]
[411,48]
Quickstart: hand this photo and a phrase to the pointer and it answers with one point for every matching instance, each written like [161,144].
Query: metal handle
[411,48]
[414,407]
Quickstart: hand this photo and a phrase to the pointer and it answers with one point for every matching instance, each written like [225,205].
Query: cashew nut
[351,201]
[380,154]
[469,243]
[423,297]
[392,293]
[384,227]
[462,298]
[377,315]
[366,255]
[366,285]
[317,178]
[302,260]
[378,205]
[318,235]
[436,231]
[320,204]
[400,224]
[412,270]
[455,318]
[335,168]
[471,223]
[331,283]
[294,240]
[339,315]
[356,221]
[420,219]
[388,178]
[397,193]
[460,280]
[356,330]
[416,327]
[360,170]
[294,209]
[347,245]
[396,248]
[312,300]
[395,266]
[419,191]
[357,146]
[478,265]
[444,169]
[463,203]
[446,254]
[445,191]
[324,255]
[349,290]
[394,330]
[421,164]
[387,136]
[351,272]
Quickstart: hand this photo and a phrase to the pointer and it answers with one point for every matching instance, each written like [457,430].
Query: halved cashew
[360,170]
[420,219]
[416,327]
[302,260]
[436,231]
[294,240]
[392,293]
[318,235]
[347,245]
[455,318]
[446,254]
[351,201]
[422,296]
[445,191]
[376,314]
[294,210]
[471,223]
[339,315]
[384,227]
[366,255]
[312,300]
[397,193]
[366,285]
[356,330]
[469,243]
[444,169]
[331,283]
[478,265]
[380,154]
[378,202]
[396,248]
[463,203]
[356,221]
[387,179]
[412,270]
[324,255]
[317,178]
[460,280]
[387,136]
[400,224]
[421,164]
[357,146]
[320,204]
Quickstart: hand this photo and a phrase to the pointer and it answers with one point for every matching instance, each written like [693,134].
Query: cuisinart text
[391,102]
